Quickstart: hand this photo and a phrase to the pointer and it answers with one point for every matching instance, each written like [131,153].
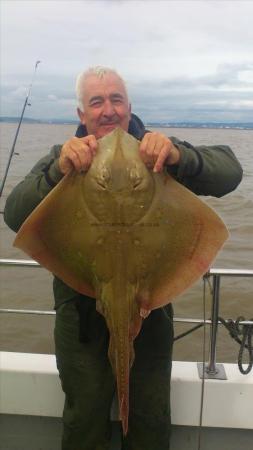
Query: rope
[235,330]
[196,327]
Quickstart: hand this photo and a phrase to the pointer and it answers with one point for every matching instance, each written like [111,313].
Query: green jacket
[205,170]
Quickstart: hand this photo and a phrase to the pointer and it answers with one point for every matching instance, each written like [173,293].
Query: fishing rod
[18,128]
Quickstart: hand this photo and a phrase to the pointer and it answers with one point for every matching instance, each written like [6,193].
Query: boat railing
[211,369]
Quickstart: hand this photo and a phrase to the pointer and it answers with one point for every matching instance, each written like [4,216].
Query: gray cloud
[183,98]
[181,59]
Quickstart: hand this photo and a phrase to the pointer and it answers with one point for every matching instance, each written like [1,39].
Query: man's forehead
[109,83]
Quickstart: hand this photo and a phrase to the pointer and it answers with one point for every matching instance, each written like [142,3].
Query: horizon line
[155,122]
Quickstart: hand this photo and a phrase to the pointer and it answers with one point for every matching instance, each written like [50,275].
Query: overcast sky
[182,60]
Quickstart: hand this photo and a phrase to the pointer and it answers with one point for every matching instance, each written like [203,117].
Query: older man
[81,335]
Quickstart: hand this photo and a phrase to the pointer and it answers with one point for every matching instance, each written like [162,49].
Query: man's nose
[108,108]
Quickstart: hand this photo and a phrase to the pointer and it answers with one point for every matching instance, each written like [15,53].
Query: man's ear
[130,110]
[81,116]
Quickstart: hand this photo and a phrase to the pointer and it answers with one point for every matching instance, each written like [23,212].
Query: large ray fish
[130,238]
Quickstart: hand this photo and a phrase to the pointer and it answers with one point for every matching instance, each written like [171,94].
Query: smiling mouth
[111,124]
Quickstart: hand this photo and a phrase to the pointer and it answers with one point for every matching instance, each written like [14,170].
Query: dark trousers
[81,339]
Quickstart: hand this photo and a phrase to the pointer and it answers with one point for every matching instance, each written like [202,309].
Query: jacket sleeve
[35,186]
[207,170]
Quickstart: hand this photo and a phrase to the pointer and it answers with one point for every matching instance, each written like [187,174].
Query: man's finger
[85,156]
[75,158]
[144,143]
[91,141]
[161,158]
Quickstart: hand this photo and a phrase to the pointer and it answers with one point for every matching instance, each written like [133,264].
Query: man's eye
[117,101]
[97,103]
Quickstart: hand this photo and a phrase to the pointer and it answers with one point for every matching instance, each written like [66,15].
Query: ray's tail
[120,318]
[122,376]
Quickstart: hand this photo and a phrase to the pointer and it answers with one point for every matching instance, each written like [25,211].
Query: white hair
[98,71]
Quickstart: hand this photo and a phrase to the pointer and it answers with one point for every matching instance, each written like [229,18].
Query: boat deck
[32,401]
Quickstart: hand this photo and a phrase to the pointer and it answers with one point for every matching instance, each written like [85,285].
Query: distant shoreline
[197,125]
[39,121]
[209,126]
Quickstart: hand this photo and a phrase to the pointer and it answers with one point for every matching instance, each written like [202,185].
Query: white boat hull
[31,405]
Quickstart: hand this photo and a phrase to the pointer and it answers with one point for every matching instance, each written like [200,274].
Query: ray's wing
[186,236]
[58,234]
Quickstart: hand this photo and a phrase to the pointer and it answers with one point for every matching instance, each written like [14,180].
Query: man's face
[105,105]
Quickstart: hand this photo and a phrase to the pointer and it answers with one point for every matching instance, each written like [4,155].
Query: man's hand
[77,154]
[157,150]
